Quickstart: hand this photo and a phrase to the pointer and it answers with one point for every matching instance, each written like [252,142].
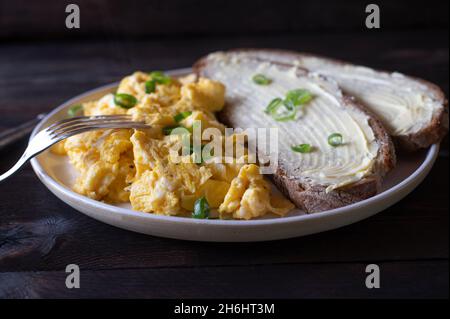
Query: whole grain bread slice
[241,112]
[430,131]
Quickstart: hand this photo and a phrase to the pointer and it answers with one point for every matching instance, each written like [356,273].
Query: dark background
[22,19]
[43,64]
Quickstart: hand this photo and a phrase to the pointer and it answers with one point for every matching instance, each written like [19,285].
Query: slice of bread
[414,111]
[328,177]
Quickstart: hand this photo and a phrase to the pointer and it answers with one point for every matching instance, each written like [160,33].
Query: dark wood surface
[40,235]
[24,19]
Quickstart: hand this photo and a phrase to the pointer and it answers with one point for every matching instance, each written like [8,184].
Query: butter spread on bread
[331,171]
[405,106]
[413,111]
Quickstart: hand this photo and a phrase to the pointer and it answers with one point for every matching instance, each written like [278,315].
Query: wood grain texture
[422,280]
[39,235]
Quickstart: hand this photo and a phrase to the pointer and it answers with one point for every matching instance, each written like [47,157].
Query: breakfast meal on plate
[414,111]
[336,124]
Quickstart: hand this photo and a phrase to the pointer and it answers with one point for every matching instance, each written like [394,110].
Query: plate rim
[418,174]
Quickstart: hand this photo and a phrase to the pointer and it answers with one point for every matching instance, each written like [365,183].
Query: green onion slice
[160,78]
[273,105]
[261,79]
[181,116]
[273,110]
[294,99]
[75,110]
[285,116]
[150,86]
[124,100]
[157,77]
[201,208]
[302,148]
[297,97]
[335,139]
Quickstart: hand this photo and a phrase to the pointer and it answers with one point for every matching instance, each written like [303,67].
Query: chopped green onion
[335,139]
[124,100]
[150,86]
[294,99]
[297,97]
[302,148]
[157,77]
[160,78]
[201,208]
[261,79]
[288,115]
[181,116]
[74,110]
[273,105]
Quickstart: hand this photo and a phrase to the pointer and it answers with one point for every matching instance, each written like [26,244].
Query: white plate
[56,173]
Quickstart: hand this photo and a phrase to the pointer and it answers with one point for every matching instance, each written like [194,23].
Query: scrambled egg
[136,166]
[249,196]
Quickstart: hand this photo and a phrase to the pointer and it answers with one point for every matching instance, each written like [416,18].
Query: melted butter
[324,115]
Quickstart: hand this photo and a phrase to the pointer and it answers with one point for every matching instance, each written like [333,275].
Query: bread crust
[432,133]
[314,198]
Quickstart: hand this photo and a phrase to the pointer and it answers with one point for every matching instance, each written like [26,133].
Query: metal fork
[67,128]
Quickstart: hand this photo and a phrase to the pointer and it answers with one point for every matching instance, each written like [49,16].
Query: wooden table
[40,235]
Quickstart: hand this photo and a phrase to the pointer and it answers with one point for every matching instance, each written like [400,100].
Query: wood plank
[425,279]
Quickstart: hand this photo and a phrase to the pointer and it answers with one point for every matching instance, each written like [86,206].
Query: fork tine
[79,123]
[123,125]
[118,124]
[87,118]
[98,124]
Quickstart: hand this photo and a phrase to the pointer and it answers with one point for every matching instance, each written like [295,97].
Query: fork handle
[15,168]
[12,135]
